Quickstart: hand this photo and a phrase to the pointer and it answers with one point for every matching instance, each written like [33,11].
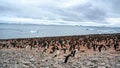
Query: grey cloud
[111,7]
[116,7]
[85,12]
[95,14]
[91,11]
[3,8]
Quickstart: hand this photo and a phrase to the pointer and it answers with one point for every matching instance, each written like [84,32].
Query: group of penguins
[73,52]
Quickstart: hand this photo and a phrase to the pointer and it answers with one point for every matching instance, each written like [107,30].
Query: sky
[61,12]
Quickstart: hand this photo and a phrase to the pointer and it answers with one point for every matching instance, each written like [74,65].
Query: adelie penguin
[100,48]
[116,45]
[73,52]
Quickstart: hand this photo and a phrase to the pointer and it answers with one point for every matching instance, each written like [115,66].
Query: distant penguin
[57,53]
[64,49]
[73,52]
[45,49]
[108,45]
[67,57]
[94,47]
[105,47]
[116,46]
[100,48]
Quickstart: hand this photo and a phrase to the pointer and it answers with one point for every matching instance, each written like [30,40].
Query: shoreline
[59,36]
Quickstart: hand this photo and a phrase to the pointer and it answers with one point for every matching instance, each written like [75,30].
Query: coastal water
[8,31]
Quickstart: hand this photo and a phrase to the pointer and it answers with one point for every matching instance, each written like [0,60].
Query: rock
[6,61]
[24,66]
[94,60]
[88,63]
[47,67]
[74,67]
[32,60]
[60,61]
[1,65]
[32,66]
[27,63]
[38,62]
[117,65]
[101,67]
[109,56]
[103,64]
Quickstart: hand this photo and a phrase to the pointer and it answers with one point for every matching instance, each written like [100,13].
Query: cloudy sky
[61,12]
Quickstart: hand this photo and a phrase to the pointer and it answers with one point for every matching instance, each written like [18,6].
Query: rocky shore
[31,55]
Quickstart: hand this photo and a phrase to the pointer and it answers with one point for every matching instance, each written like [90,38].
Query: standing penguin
[100,48]
[73,52]
[116,45]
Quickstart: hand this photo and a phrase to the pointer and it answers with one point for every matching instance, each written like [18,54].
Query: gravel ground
[26,58]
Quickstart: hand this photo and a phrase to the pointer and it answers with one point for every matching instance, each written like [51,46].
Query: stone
[101,67]
[27,63]
[117,65]
[32,60]
[103,64]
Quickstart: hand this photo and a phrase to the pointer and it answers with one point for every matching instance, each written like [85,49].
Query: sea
[12,31]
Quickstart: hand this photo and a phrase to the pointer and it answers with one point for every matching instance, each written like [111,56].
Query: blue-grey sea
[9,31]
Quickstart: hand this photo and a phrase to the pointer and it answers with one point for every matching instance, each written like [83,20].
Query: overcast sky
[61,12]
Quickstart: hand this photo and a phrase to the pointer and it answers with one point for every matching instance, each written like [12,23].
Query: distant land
[54,25]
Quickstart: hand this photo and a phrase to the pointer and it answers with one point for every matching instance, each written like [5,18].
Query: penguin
[100,47]
[73,52]
[116,46]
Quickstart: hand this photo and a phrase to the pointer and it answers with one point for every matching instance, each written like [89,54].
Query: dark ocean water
[8,31]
